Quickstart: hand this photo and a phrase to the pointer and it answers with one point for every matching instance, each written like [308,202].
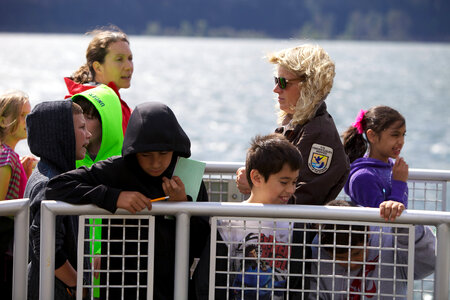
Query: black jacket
[314,186]
[152,127]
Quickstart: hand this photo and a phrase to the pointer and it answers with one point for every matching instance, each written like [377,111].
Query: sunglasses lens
[281,81]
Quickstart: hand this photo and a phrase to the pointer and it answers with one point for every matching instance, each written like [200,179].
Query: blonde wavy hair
[11,104]
[312,64]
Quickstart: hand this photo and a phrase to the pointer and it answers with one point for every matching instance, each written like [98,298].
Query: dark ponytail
[377,118]
[82,75]
[355,145]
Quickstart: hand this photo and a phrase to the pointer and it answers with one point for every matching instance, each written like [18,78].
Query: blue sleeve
[399,192]
[366,189]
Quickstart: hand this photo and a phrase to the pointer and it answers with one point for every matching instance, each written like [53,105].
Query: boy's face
[154,163]
[95,128]
[357,255]
[82,136]
[279,187]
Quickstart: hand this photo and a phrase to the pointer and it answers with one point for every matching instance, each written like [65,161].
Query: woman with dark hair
[109,61]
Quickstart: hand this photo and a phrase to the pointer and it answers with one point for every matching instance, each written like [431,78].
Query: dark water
[221,89]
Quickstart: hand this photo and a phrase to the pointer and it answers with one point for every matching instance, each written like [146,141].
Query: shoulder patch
[320,158]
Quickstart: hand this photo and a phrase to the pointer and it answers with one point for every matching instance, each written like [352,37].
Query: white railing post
[47,254]
[20,255]
[19,208]
[182,256]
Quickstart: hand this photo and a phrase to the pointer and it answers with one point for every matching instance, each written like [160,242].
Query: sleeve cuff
[399,189]
[60,259]
[110,200]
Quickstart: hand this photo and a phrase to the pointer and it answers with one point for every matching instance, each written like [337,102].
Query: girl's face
[388,143]
[21,131]
[154,163]
[117,67]
[287,97]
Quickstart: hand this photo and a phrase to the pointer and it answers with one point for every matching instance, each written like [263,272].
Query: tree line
[403,20]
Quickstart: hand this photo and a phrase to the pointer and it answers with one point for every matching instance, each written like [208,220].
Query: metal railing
[428,188]
[20,209]
[183,211]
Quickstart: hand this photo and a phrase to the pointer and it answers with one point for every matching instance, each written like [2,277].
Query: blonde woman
[304,78]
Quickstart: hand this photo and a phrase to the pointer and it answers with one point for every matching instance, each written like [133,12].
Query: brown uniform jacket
[325,165]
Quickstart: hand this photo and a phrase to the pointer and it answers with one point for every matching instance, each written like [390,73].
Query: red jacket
[75,88]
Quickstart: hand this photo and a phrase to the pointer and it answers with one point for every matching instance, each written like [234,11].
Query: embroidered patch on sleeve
[319,158]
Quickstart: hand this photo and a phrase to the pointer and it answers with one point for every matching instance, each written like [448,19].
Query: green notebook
[191,173]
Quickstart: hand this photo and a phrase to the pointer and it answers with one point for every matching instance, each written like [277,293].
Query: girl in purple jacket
[373,144]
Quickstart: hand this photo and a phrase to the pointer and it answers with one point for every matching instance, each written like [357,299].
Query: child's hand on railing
[390,210]
[133,201]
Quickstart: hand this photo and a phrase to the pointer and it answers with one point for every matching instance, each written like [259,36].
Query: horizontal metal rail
[427,188]
[20,209]
[183,210]
[414,174]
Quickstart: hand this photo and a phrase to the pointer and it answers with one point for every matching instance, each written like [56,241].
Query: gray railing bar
[429,174]
[259,210]
[414,174]
[182,257]
[441,275]
[20,210]
[222,167]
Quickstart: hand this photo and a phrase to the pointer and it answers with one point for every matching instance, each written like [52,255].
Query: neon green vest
[108,105]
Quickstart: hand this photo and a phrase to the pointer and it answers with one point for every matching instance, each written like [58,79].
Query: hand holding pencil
[160,199]
[133,201]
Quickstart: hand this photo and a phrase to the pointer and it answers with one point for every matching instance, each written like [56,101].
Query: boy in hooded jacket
[57,134]
[153,142]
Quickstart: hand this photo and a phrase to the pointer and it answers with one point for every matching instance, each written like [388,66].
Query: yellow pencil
[159,199]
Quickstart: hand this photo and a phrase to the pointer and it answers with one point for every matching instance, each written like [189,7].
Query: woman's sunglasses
[282,82]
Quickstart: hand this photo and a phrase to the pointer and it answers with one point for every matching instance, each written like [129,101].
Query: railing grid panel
[126,263]
[255,263]
[426,195]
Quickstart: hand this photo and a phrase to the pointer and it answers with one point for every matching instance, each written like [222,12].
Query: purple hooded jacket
[370,183]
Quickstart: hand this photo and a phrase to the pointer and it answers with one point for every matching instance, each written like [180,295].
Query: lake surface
[221,89]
